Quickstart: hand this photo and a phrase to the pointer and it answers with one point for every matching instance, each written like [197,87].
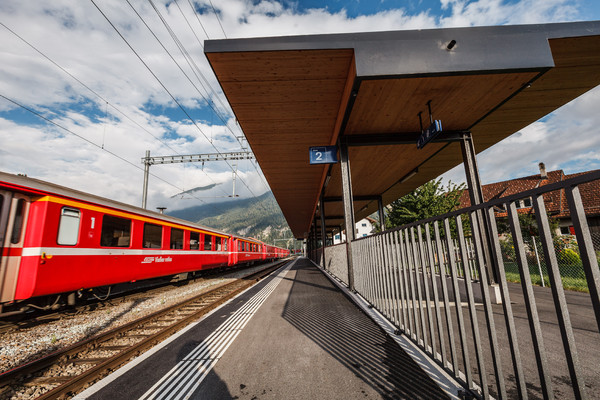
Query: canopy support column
[348,208]
[476,196]
[323,230]
[381,214]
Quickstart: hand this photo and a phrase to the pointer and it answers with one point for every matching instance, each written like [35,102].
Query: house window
[68,227]
[364,224]
[116,232]
[152,236]
[564,230]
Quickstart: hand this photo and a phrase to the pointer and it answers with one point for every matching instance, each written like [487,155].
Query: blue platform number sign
[323,155]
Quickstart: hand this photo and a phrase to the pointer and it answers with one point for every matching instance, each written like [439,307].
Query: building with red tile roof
[556,202]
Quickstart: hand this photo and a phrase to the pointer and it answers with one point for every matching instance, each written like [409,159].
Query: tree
[426,201]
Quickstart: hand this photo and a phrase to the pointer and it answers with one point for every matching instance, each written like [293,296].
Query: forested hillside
[258,217]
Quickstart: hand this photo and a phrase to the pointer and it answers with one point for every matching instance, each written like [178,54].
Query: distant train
[57,242]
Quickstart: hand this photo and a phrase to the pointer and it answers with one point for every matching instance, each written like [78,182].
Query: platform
[295,335]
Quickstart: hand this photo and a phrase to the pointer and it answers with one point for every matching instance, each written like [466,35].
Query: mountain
[258,217]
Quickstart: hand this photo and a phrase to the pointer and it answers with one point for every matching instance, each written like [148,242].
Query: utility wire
[197,17]
[99,96]
[168,92]
[218,19]
[193,65]
[96,145]
[212,90]
[84,85]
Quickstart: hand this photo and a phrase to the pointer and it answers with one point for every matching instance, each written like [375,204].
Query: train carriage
[56,240]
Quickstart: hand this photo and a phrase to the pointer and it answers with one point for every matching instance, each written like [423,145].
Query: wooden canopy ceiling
[291,93]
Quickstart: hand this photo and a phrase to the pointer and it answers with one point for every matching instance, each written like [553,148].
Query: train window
[194,240]
[152,236]
[218,241]
[224,244]
[18,222]
[176,238]
[68,227]
[207,242]
[116,232]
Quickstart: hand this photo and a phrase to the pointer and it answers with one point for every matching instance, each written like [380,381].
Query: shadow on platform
[343,331]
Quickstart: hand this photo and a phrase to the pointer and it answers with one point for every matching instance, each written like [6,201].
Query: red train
[56,242]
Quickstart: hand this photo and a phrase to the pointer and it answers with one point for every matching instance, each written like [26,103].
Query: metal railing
[495,350]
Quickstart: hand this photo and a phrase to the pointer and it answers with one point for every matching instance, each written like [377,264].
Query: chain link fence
[567,254]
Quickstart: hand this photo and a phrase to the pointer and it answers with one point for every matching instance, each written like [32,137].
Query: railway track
[37,317]
[66,372]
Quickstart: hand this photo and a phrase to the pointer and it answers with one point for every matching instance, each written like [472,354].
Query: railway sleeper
[47,381]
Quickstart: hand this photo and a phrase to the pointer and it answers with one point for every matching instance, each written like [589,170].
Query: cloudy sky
[86,87]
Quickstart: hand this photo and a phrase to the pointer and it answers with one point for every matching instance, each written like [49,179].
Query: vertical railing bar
[413,289]
[380,274]
[487,304]
[412,316]
[369,271]
[387,283]
[403,302]
[396,278]
[449,324]
[418,285]
[426,287]
[458,305]
[472,310]
[376,287]
[586,247]
[359,257]
[560,301]
[530,304]
[393,294]
[436,299]
[507,307]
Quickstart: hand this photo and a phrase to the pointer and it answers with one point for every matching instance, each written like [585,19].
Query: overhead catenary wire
[194,67]
[84,85]
[98,95]
[167,90]
[94,144]
[218,19]
[213,91]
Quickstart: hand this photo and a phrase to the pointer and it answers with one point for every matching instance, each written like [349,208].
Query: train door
[14,208]
[232,249]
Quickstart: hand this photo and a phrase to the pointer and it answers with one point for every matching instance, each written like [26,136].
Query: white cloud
[77,37]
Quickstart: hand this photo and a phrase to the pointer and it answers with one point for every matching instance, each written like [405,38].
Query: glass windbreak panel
[152,236]
[15,237]
[194,240]
[240,248]
[68,226]
[207,242]
[116,232]
[176,238]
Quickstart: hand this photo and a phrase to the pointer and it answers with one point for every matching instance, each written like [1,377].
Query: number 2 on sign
[319,156]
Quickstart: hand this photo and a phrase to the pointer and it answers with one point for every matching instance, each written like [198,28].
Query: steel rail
[208,301]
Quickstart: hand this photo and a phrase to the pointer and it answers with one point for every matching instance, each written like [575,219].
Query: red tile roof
[556,203]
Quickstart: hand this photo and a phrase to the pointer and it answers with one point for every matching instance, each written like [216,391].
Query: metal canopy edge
[289,93]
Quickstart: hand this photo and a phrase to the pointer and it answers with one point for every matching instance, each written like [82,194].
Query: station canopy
[367,89]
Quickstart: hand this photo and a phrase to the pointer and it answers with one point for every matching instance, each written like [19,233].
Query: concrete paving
[292,336]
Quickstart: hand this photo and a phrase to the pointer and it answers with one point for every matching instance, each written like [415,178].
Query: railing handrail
[575,181]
